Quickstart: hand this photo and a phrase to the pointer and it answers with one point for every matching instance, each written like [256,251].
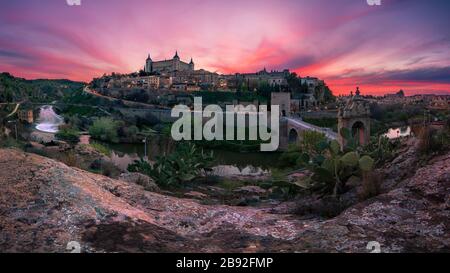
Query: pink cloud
[339,41]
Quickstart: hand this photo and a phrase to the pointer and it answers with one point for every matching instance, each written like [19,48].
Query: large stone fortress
[168,66]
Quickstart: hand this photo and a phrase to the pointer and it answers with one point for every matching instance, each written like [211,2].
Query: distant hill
[14,89]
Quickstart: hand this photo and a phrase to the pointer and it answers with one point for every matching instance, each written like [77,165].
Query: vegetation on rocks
[433,141]
[381,149]
[329,167]
[101,148]
[183,165]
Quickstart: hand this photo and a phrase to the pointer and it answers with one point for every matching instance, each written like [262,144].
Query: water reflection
[156,146]
[229,170]
[230,162]
[48,120]
[394,133]
[122,161]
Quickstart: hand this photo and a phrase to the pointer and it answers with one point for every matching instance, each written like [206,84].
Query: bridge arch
[358,130]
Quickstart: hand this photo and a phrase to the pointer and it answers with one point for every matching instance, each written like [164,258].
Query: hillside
[14,89]
[45,204]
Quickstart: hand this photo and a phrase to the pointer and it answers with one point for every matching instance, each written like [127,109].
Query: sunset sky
[402,44]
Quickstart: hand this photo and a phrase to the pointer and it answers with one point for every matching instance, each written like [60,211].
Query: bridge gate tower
[355,116]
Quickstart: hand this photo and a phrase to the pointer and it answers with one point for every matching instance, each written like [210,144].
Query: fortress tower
[191,64]
[148,64]
[167,66]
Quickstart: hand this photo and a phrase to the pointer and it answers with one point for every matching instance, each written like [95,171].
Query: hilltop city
[170,81]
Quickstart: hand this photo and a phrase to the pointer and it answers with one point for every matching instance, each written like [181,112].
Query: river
[124,153]
[48,123]
[394,133]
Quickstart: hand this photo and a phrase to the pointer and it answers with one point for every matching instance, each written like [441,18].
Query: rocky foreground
[45,204]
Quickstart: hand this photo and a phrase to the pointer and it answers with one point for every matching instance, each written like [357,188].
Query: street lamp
[15,126]
[145,147]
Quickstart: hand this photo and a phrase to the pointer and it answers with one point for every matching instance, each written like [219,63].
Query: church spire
[176,55]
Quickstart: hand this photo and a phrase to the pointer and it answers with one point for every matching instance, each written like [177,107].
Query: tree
[104,129]
[138,95]
[328,95]
[294,82]
[69,135]
[265,90]
[142,73]
[128,132]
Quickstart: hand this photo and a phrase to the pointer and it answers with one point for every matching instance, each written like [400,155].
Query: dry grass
[371,185]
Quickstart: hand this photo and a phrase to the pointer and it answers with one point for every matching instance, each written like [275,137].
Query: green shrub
[282,188]
[381,149]
[433,141]
[109,169]
[440,141]
[101,148]
[10,143]
[105,129]
[70,159]
[290,157]
[69,135]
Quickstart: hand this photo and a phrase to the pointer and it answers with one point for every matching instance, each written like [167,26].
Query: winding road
[15,108]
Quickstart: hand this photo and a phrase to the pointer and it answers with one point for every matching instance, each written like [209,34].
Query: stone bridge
[291,130]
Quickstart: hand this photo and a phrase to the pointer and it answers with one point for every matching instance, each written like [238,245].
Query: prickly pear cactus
[350,159]
[366,163]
